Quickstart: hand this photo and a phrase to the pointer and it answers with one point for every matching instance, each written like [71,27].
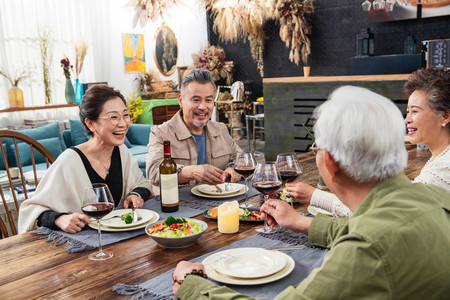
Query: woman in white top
[427,121]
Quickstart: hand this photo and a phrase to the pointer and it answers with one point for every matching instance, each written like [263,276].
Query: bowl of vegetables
[176,232]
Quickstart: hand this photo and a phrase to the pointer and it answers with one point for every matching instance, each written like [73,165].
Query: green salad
[173,228]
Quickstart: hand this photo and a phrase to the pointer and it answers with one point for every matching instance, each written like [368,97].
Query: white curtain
[68,21]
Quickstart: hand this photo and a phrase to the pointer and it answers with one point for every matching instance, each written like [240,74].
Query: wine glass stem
[100,250]
[266,225]
[246,190]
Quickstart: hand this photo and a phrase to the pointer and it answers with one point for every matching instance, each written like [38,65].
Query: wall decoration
[133,52]
[166,50]
[149,9]
[409,9]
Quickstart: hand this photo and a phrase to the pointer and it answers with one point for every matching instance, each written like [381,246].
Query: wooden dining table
[31,267]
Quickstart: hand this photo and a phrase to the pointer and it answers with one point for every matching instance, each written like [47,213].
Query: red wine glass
[289,167]
[245,165]
[266,180]
[97,203]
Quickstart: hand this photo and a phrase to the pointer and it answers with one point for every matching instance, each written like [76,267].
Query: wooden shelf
[13,109]
[337,78]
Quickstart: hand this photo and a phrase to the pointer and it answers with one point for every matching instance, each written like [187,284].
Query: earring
[443,124]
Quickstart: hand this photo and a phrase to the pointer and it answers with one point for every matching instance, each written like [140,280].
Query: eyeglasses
[115,118]
[314,148]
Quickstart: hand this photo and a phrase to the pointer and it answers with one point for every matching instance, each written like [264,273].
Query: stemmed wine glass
[97,203]
[289,167]
[244,165]
[266,180]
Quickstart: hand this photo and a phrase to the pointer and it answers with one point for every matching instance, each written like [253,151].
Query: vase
[15,96]
[78,91]
[69,92]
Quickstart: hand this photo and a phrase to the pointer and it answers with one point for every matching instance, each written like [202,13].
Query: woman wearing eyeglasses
[427,121]
[104,158]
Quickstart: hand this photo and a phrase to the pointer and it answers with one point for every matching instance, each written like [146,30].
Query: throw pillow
[52,145]
[77,132]
[2,164]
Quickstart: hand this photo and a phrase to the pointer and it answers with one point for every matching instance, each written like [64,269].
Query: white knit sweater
[436,171]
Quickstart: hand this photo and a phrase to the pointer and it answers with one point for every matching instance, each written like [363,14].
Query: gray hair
[200,76]
[364,132]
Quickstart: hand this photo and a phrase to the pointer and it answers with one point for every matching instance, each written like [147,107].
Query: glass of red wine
[266,180]
[245,165]
[289,167]
[97,203]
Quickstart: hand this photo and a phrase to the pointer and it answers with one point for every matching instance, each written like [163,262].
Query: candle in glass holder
[228,217]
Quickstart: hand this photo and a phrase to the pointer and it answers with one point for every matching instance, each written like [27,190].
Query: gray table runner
[306,260]
[87,239]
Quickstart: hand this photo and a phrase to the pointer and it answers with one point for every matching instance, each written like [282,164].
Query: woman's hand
[281,213]
[133,201]
[300,191]
[72,223]
[183,268]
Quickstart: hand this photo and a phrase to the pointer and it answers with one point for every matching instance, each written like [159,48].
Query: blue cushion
[138,149]
[52,145]
[77,132]
[45,132]
[2,164]
[127,142]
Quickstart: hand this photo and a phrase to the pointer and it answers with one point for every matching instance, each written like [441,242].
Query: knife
[135,215]
[288,247]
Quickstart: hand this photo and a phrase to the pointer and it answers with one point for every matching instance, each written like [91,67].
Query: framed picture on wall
[133,52]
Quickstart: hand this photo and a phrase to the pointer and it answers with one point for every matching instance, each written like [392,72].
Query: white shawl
[63,185]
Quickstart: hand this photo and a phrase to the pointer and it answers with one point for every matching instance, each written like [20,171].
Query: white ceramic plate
[212,190]
[217,276]
[144,214]
[197,192]
[316,210]
[251,263]
[154,218]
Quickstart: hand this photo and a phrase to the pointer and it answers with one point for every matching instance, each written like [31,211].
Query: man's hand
[183,268]
[230,172]
[281,213]
[133,201]
[72,223]
[206,174]
[300,191]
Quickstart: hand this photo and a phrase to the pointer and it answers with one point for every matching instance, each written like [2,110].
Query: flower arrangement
[15,79]
[212,58]
[149,9]
[135,106]
[44,41]
[80,53]
[294,26]
[67,67]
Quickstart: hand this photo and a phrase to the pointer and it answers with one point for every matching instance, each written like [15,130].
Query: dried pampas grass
[80,53]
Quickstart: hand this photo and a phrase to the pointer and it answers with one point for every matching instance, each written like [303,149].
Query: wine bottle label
[169,189]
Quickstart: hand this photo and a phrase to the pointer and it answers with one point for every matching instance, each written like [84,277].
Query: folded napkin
[87,239]
[305,259]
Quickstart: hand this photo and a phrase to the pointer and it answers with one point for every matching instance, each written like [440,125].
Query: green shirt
[395,246]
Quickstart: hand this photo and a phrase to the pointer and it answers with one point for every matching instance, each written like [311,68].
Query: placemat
[305,259]
[87,239]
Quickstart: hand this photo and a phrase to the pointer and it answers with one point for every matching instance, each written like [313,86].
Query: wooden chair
[11,183]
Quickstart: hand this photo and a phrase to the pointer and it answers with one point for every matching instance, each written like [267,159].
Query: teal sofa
[56,142]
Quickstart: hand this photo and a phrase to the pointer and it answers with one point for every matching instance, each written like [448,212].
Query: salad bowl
[177,242]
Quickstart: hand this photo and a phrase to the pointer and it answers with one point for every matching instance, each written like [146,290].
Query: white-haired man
[203,150]
[395,246]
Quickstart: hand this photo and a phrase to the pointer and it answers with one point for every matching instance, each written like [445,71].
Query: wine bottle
[168,186]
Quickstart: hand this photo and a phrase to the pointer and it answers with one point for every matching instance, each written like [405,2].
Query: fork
[122,218]
[219,190]
[227,184]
